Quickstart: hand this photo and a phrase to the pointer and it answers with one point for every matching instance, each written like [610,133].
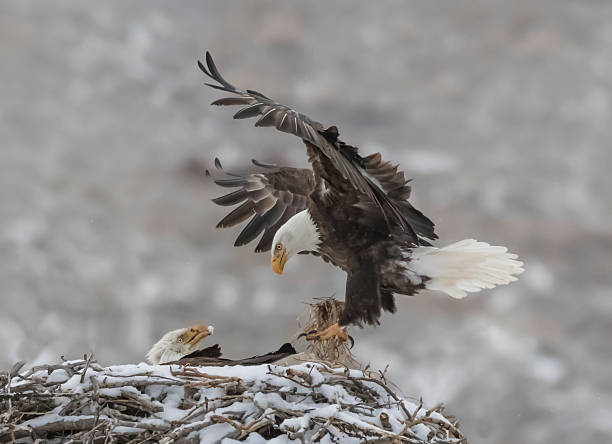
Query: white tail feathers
[465,266]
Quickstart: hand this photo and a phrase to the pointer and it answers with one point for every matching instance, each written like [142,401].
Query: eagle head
[298,234]
[178,343]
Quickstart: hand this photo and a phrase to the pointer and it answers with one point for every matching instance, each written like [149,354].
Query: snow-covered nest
[309,402]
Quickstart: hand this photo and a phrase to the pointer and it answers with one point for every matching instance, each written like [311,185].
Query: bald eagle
[353,212]
[183,346]
[182,342]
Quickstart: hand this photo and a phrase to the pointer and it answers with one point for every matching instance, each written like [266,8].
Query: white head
[178,343]
[297,234]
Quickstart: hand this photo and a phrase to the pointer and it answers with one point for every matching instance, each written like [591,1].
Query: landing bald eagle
[353,212]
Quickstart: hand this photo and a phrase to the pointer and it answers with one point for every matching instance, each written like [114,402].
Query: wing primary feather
[228,101]
[257,93]
[251,231]
[229,183]
[263,165]
[259,194]
[249,111]
[233,198]
[222,88]
[204,70]
[264,205]
[212,68]
[240,214]
[274,214]
[265,243]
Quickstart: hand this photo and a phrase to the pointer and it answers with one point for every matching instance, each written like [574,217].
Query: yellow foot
[334,331]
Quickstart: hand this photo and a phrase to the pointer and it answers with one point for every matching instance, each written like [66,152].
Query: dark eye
[180,339]
[278,246]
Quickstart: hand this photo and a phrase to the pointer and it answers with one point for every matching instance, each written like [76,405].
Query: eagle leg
[333,331]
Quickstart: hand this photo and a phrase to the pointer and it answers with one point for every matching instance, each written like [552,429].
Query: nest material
[321,315]
[82,401]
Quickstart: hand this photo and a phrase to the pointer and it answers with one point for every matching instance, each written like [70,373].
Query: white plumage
[178,343]
[465,266]
[299,233]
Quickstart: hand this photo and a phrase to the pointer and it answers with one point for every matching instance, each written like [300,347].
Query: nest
[82,401]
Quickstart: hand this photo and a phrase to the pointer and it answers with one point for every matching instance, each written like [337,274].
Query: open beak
[278,260]
[197,333]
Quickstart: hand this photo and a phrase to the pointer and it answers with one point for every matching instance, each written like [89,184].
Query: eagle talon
[306,334]
[352,342]
[334,331]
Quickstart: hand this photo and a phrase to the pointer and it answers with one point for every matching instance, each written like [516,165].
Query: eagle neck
[163,350]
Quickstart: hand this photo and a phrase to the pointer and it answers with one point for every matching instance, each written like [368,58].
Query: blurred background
[500,111]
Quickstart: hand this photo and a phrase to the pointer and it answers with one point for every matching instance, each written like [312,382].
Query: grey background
[500,111]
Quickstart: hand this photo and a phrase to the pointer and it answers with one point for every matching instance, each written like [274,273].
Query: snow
[298,401]
[54,417]
[59,375]
[215,433]
[421,431]
[256,438]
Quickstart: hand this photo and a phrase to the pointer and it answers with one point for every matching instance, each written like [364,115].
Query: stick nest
[82,401]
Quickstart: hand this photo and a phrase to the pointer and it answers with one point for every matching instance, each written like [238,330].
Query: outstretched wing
[283,118]
[343,157]
[269,198]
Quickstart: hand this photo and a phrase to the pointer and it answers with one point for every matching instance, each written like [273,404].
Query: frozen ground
[500,111]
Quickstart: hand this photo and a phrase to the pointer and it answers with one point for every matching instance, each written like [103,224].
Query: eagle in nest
[353,212]
[183,346]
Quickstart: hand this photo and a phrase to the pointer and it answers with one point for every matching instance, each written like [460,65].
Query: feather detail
[465,266]
[270,198]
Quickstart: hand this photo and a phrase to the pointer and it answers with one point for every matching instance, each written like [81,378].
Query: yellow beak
[197,333]
[278,260]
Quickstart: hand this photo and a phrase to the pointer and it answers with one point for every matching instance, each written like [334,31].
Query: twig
[12,372]
[89,358]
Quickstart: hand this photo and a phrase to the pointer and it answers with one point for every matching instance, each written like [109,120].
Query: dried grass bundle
[319,316]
